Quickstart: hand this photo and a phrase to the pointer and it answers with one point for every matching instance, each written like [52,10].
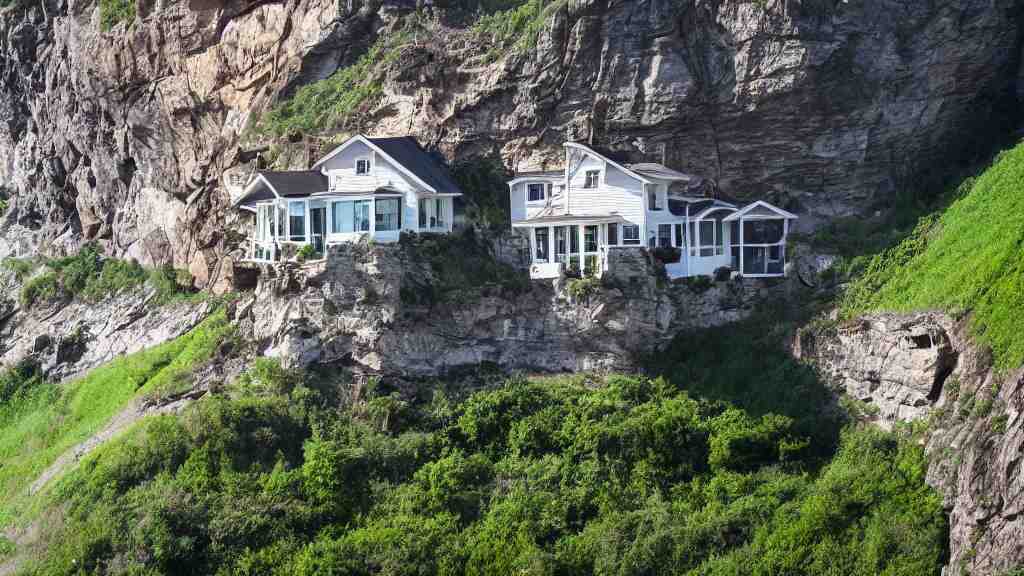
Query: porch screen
[707,238]
[590,238]
[560,243]
[762,231]
[613,234]
[389,214]
[296,220]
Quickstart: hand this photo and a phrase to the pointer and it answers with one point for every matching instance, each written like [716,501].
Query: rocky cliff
[924,368]
[378,309]
[823,106]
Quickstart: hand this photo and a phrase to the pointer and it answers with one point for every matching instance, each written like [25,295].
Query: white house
[366,187]
[574,216]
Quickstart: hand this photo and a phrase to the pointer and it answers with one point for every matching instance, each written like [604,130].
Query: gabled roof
[606,156]
[409,157]
[745,212]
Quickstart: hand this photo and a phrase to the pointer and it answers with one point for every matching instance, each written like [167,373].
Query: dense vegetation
[90,276]
[965,259]
[730,462]
[113,12]
[40,420]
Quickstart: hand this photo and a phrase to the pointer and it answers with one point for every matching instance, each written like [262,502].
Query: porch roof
[568,219]
[678,206]
[380,192]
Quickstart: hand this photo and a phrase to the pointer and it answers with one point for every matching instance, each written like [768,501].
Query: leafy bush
[583,288]
[514,30]
[22,268]
[667,254]
[42,288]
[307,252]
[113,12]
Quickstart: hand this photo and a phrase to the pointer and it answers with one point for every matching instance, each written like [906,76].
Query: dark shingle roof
[407,152]
[296,182]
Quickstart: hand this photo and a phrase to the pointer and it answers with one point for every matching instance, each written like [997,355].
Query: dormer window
[362,166]
[536,192]
[591,178]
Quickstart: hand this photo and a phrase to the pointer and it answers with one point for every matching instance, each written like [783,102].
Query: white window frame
[653,198]
[544,192]
[369,166]
[629,241]
[587,184]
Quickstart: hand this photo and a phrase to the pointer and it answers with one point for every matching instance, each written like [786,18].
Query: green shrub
[41,288]
[583,288]
[514,30]
[482,181]
[113,12]
[307,252]
[22,268]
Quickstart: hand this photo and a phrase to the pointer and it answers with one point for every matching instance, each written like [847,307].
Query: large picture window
[388,214]
[350,216]
[433,213]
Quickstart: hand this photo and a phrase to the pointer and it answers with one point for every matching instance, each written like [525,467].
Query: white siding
[617,193]
[521,208]
[518,201]
[382,172]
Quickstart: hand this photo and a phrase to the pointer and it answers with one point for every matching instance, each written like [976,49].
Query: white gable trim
[252,187]
[588,150]
[714,208]
[376,149]
[762,204]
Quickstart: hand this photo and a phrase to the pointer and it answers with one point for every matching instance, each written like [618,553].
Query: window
[664,235]
[574,239]
[433,213]
[561,243]
[631,234]
[350,216]
[296,220]
[591,178]
[362,166]
[652,198]
[388,214]
[613,234]
[541,244]
[536,192]
[590,238]
[680,237]
[707,238]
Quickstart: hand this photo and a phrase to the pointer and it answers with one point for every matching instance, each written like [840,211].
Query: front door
[318,226]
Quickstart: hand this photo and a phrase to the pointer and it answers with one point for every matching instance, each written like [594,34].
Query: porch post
[551,244]
[533,244]
[742,249]
[583,247]
[307,229]
[373,217]
[687,239]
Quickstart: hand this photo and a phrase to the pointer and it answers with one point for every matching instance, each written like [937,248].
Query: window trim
[652,194]
[369,166]
[630,241]
[597,179]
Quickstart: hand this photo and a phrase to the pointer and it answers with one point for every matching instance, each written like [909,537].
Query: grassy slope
[40,424]
[968,259]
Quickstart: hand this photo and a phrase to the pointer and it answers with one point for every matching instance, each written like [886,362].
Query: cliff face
[924,367]
[362,306]
[822,106]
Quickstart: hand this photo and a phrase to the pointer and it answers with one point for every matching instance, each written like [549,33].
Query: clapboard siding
[617,193]
[382,172]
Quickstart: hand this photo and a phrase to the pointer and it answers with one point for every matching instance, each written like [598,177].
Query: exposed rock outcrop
[820,105]
[925,366]
[361,305]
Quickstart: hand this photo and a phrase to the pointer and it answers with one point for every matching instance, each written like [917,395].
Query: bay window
[350,216]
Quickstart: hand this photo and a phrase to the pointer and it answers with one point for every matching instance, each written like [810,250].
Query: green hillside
[743,470]
[969,259]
